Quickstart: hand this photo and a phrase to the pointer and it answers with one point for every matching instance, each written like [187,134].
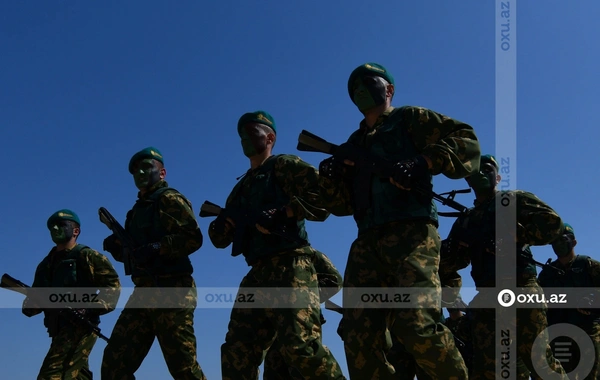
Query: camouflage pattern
[590,323]
[537,224]
[293,321]
[451,145]
[72,343]
[403,254]
[298,180]
[330,283]
[68,357]
[162,313]
[398,255]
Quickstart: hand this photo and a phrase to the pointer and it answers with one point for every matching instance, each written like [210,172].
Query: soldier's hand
[145,255]
[409,172]
[222,225]
[333,168]
[112,244]
[270,219]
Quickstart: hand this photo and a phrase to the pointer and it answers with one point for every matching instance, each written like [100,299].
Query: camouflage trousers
[275,365]
[397,255]
[287,312]
[575,362]
[68,356]
[523,326]
[139,323]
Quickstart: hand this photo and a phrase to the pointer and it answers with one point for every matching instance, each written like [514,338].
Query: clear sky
[87,84]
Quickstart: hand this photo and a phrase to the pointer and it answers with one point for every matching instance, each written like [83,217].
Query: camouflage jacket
[451,145]
[94,271]
[299,181]
[536,224]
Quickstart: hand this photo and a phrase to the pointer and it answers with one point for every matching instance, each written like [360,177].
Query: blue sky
[86,85]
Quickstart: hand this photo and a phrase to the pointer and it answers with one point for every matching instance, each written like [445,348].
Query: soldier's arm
[183,233]
[594,273]
[221,240]
[329,278]
[30,307]
[537,223]
[300,182]
[105,277]
[336,196]
[450,145]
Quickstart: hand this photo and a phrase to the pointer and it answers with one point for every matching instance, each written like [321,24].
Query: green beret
[150,152]
[63,214]
[488,158]
[568,229]
[261,117]
[368,69]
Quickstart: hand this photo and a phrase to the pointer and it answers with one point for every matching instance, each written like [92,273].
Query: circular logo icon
[506,298]
[585,349]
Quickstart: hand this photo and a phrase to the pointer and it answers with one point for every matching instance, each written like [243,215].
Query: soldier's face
[254,139]
[369,92]
[485,179]
[146,173]
[61,232]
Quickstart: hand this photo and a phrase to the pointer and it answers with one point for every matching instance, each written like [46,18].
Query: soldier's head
[370,86]
[487,178]
[258,133]
[147,168]
[564,245]
[64,226]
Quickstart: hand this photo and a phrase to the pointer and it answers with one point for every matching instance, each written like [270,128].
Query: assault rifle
[11,283]
[539,264]
[367,165]
[119,232]
[242,221]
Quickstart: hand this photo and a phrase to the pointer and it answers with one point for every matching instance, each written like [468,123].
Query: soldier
[473,240]
[72,266]
[277,194]
[398,242]
[580,271]
[165,232]
[330,283]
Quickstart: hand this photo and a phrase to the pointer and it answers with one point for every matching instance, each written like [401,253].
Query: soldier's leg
[128,345]
[595,356]
[174,326]
[275,365]
[400,359]
[298,321]
[68,356]
[249,334]
[175,334]
[414,255]
[532,323]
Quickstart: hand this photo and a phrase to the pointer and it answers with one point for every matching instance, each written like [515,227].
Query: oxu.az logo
[507,298]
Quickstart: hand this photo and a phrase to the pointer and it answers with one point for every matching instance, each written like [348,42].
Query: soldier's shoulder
[287,159]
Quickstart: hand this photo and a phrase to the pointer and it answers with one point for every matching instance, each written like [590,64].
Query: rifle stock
[107,219]
[368,165]
[10,283]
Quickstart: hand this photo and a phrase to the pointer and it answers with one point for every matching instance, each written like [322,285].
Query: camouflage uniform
[330,283]
[398,242]
[277,263]
[583,271]
[472,240]
[165,216]
[72,341]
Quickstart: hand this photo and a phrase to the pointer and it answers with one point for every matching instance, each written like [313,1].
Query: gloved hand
[145,255]
[111,244]
[407,173]
[333,168]
[221,225]
[272,218]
